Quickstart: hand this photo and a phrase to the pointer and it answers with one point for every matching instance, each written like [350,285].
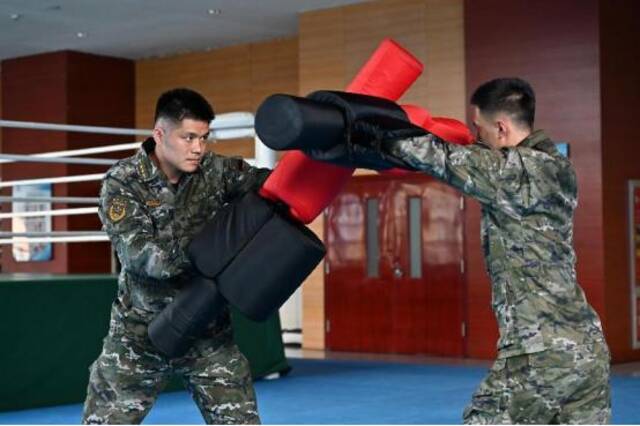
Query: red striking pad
[308,186]
[448,129]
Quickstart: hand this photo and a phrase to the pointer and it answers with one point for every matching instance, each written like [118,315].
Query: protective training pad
[173,331]
[270,267]
[285,122]
[321,121]
[388,73]
[228,232]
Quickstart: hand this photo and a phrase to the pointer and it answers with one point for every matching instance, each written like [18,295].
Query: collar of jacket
[538,140]
[146,168]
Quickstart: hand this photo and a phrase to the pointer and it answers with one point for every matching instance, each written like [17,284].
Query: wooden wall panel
[554,45]
[335,43]
[370,22]
[313,303]
[234,78]
[444,77]
[321,65]
[273,69]
[620,83]
[222,76]
[321,50]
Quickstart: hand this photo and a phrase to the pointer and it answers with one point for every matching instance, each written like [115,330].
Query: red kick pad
[308,186]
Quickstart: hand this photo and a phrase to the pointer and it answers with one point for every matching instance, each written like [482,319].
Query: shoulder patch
[117,209]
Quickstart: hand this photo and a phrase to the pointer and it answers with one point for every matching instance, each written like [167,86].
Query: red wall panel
[67,88]
[553,45]
[620,82]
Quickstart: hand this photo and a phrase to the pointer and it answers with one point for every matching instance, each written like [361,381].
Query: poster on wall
[22,250]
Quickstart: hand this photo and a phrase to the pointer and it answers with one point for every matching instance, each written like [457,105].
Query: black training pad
[285,122]
[228,232]
[173,331]
[322,120]
[270,267]
[357,106]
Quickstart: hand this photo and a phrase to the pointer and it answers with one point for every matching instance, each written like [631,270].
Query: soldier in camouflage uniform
[553,361]
[151,205]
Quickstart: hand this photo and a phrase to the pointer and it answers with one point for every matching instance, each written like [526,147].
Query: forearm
[160,261]
[469,169]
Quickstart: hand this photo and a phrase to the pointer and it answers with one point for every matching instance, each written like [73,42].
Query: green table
[51,330]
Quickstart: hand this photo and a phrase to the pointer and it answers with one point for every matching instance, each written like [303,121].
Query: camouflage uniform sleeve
[485,174]
[239,177]
[131,230]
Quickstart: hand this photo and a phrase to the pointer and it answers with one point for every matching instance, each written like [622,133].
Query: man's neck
[518,137]
[173,174]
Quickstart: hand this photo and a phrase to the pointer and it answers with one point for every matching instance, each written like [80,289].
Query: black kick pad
[270,268]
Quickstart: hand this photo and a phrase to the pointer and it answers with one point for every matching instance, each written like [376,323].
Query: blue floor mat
[346,392]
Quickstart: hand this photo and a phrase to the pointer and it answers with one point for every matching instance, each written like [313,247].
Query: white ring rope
[57,179]
[65,200]
[65,160]
[79,239]
[233,121]
[56,212]
[52,234]
[72,128]
[85,151]
[225,126]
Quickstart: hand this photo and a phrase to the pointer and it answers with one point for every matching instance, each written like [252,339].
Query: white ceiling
[145,28]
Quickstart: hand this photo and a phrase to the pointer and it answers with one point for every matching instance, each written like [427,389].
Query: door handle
[397,272]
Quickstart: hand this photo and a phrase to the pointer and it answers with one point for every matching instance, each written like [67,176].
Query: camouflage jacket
[528,195]
[150,223]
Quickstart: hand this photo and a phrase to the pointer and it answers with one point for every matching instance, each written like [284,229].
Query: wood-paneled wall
[335,43]
[620,84]
[235,78]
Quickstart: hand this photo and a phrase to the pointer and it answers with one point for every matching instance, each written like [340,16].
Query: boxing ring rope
[65,200]
[34,159]
[57,212]
[57,179]
[67,239]
[233,125]
[85,151]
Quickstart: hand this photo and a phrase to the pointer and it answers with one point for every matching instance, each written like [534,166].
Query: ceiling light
[80,34]
[15,16]
[214,12]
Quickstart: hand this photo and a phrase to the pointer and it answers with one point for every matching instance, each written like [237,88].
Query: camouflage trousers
[128,375]
[549,387]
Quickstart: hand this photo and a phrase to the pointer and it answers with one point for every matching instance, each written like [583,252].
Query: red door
[393,267]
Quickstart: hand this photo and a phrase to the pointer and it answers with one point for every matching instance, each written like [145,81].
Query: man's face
[180,147]
[487,130]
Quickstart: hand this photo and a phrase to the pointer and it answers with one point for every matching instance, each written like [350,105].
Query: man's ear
[157,134]
[503,129]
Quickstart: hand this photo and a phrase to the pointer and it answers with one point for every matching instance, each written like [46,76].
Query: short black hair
[513,96]
[181,103]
